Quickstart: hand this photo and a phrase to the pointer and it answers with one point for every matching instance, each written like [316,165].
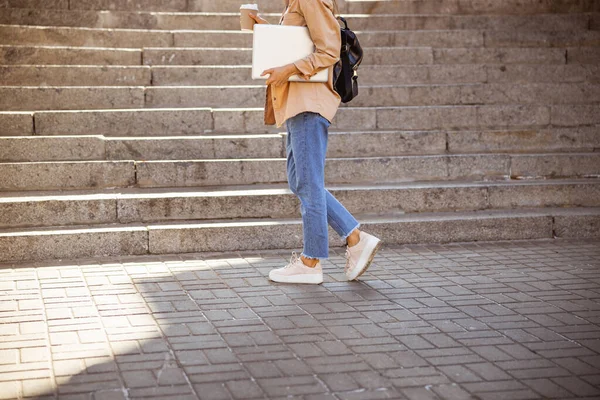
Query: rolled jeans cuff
[350,233]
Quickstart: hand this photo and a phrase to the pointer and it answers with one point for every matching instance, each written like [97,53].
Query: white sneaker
[360,256]
[297,272]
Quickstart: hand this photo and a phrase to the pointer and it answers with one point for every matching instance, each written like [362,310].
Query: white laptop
[278,45]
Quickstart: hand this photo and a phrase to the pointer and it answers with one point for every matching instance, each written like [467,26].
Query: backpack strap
[346,68]
[347,71]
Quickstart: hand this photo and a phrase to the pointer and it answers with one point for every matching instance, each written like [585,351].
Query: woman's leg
[293,183]
[307,146]
[306,149]
[301,183]
[339,218]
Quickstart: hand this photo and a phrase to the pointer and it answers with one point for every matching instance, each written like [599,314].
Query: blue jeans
[306,150]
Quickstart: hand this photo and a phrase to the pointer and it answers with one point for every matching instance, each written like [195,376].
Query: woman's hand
[258,19]
[279,76]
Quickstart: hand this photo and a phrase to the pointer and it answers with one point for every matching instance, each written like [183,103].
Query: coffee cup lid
[249,7]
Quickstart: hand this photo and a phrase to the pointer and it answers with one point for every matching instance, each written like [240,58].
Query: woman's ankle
[309,262]
[353,238]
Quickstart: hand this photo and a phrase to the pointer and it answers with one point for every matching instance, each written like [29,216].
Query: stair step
[36,55]
[107,174]
[358,7]
[145,122]
[79,148]
[388,56]
[529,120]
[526,7]
[230,21]
[65,175]
[56,55]
[136,38]
[15,123]
[84,37]
[371,38]
[370,96]
[61,55]
[399,74]
[379,169]
[51,148]
[52,75]
[222,56]
[340,145]
[449,117]
[525,140]
[17,98]
[43,4]
[185,173]
[210,236]
[586,55]
[20,210]
[92,75]
[502,55]
[542,73]
[539,39]
[26,98]
[174,5]
[155,5]
[146,5]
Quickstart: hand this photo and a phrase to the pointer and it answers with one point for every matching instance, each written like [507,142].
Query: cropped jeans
[306,149]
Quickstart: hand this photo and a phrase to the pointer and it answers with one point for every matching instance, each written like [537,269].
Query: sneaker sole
[309,279]
[368,261]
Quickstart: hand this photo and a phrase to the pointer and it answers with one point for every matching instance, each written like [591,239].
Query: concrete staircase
[131,127]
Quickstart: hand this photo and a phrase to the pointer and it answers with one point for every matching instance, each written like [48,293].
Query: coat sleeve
[325,33]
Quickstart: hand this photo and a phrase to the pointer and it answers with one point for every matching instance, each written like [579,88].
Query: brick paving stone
[547,388]
[339,382]
[491,353]
[503,320]
[539,373]
[371,380]
[459,374]
[292,386]
[576,366]
[496,386]
[380,360]
[10,390]
[577,386]
[372,394]
[214,391]
[168,392]
[452,392]
[422,381]
[419,394]
[509,395]
[36,387]
[246,389]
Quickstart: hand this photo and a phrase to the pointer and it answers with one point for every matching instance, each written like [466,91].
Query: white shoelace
[294,259]
[348,258]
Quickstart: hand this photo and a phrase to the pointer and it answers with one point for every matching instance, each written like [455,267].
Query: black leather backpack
[344,71]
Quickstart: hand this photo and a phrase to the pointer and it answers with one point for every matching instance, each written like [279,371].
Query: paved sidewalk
[507,320]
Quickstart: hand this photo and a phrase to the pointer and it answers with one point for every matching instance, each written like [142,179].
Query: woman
[307,109]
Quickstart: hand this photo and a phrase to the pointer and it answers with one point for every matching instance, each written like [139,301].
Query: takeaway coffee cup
[246,22]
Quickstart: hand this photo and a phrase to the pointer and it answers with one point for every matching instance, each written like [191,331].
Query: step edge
[385,219]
